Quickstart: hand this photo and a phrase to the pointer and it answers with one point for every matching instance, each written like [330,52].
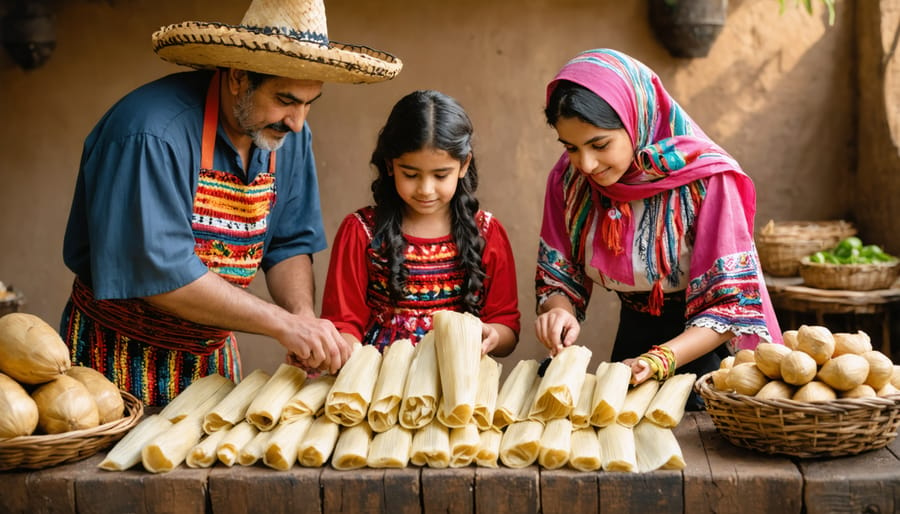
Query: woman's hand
[640,370]
[490,338]
[557,328]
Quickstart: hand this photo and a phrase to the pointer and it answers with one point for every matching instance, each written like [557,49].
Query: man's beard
[243,109]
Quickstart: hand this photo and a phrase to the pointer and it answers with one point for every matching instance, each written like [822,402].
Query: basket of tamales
[818,395]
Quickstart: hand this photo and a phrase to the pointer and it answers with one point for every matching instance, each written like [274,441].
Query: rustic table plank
[181,491]
[696,475]
[745,480]
[359,490]
[48,491]
[658,492]
[242,489]
[448,490]
[14,484]
[402,491]
[564,491]
[505,490]
[868,482]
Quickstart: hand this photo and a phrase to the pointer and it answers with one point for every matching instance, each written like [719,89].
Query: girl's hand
[490,338]
[640,370]
[556,329]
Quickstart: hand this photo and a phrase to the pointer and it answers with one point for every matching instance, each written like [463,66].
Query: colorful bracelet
[661,361]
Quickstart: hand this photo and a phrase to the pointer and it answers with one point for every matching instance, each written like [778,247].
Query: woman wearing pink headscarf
[643,203]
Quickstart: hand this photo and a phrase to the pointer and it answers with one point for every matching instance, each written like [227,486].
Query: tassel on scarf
[612,225]
[656,299]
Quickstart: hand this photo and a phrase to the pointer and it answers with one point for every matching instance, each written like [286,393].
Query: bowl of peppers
[851,265]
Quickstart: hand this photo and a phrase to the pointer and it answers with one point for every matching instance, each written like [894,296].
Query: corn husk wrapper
[513,394]
[457,343]
[422,392]
[233,408]
[613,380]
[488,389]
[431,446]
[561,384]
[309,400]
[170,448]
[384,411]
[390,449]
[556,443]
[352,447]
[667,407]
[198,393]
[464,442]
[488,448]
[203,454]
[636,402]
[656,447]
[282,447]
[318,443]
[264,412]
[581,414]
[521,443]
[585,453]
[617,450]
[127,451]
[235,439]
[350,396]
[255,449]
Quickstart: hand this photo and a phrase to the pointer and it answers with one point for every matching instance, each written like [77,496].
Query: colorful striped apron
[153,354]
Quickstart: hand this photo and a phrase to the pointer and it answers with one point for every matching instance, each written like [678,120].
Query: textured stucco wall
[777,90]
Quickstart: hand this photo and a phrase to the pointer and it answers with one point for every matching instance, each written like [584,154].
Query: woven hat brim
[212,45]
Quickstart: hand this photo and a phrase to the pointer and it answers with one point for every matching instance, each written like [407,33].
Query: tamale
[309,400]
[431,446]
[488,387]
[264,412]
[422,391]
[617,451]
[282,447]
[352,447]
[203,454]
[556,443]
[254,449]
[237,437]
[464,442]
[349,398]
[318,443]
[169,449]
[581,414]
[585,453]
[488,448]
[521,443]
[390,449]
[127,451]
[561,384]
[197,394]
[457,343]
[512,395]
[656,447]
[385,407]
[667,407]
[613,379]
[636,402]
[233,407]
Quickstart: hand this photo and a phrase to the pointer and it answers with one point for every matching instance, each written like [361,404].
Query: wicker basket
[850,277]
[845,426]
[782,244]
[42,451]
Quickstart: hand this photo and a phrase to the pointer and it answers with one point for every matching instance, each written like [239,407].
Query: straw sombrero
[286,38]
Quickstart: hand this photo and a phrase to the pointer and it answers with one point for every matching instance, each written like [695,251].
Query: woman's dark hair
[427,120]
[571,100]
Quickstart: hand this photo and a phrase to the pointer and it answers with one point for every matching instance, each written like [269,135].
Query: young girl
[642,202]
[425,245]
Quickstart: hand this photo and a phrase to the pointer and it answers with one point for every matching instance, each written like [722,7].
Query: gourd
[746,378]
[775,390]
[815,391]
[18,412]
[790,339]
[65,404]
[881,368]
[768,358]
[858,343]
[31,351]
[110,405]
[798,368]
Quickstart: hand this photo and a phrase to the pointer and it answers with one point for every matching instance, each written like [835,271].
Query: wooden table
[719,477]
[790,295]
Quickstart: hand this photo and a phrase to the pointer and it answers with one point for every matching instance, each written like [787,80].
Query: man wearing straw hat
[190,184]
